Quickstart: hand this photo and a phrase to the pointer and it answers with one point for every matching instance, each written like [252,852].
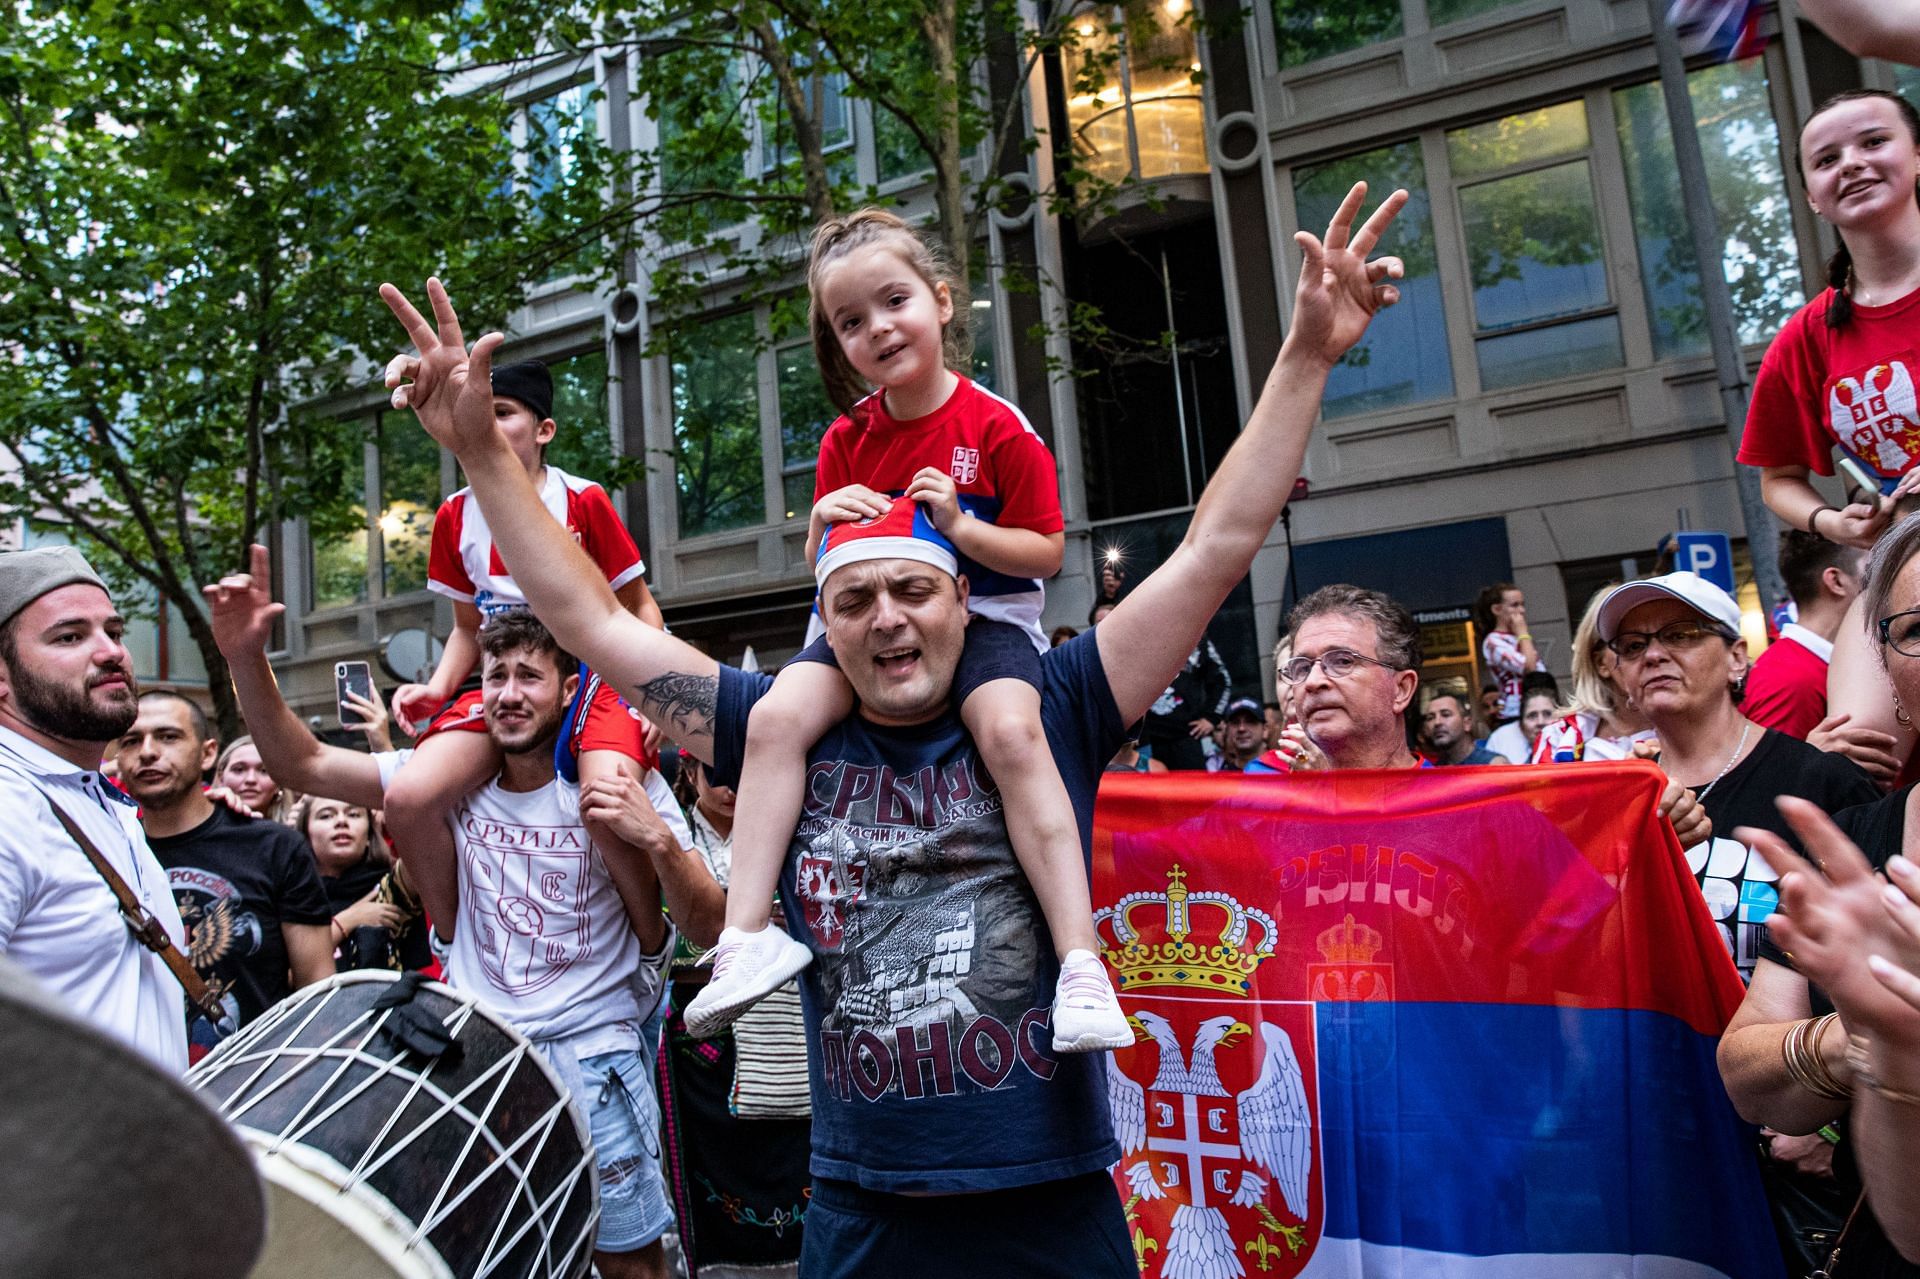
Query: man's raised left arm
[1144,641]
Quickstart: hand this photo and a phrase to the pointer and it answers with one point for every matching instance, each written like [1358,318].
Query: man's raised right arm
[242,611]
[673,684]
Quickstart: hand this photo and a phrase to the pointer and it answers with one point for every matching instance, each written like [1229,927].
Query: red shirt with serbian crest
[463,564]
[1002,470]
[1852,387]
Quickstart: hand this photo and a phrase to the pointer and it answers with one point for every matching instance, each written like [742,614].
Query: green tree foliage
[196,201]
[752,104]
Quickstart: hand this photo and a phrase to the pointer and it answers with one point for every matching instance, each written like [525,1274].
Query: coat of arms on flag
[1451,1022]
[1214,1111]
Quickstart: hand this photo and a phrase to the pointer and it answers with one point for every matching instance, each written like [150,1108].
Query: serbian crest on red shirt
[1874,414]
[1216,1105]
[966,465]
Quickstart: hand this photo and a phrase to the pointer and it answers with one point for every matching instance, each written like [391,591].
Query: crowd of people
[813,953]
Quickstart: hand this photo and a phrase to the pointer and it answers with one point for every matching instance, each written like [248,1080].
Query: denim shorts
[624,1119]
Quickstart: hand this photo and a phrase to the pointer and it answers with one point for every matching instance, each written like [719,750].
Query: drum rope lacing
[304,1122]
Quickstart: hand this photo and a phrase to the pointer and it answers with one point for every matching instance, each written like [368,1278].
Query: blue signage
[1708,554]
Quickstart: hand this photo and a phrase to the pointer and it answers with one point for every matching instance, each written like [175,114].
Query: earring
[1900,712]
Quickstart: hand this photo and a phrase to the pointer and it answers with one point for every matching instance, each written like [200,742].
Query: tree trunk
[807,136]
[940,21]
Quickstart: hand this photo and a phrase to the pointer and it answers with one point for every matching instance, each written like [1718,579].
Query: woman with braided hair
[1842,375]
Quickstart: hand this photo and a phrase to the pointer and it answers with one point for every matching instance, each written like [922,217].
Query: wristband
[1814,517]
[1829,1134]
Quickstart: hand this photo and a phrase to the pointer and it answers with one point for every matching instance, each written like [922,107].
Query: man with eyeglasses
[1354,671]
[1683,663]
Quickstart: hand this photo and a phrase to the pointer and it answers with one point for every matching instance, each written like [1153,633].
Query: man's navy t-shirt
[928,1041]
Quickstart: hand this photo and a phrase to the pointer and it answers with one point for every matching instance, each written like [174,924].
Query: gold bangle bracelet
[1800,1051]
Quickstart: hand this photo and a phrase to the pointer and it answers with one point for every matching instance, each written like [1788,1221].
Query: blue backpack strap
[566,748]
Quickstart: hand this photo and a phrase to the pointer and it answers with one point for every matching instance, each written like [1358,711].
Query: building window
[1536,260]
[559,127]
[156,638]
[897,154]
[1132,103]
[583,436]
[1306,30]
[805,413]
[979,318]
[1403,358]
[338,547]
[703,148]
[409,497]
[718,460]
[827,97]
[559,130]
[1741,145]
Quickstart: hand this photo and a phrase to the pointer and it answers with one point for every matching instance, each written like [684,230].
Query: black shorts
[1071,1229]
[994,650]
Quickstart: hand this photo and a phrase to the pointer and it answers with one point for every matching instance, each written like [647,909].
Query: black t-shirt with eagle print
[237,879]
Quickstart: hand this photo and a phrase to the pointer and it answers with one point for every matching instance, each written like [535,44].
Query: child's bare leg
[807,698]
[444,768]
[1003,715]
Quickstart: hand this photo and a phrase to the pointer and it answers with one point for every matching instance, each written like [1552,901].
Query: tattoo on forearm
[688,702]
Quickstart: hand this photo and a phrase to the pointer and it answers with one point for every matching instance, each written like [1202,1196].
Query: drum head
[319,1232]
[392,1156]
[113,1166]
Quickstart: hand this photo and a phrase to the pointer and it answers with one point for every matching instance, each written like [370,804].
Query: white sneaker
[1086,1012]
[747,967]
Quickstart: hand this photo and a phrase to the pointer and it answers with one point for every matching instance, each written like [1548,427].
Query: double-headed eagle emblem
[1213,1148]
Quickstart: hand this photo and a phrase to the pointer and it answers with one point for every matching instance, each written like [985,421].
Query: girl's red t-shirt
[1852,387]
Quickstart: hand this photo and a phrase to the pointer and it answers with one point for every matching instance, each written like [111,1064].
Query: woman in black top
[1820,1039]
[376,917]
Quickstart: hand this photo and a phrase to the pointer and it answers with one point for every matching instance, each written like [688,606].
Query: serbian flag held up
[1455,1023]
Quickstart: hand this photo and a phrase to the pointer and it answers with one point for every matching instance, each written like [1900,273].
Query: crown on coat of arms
[1350,943]
[1205,938]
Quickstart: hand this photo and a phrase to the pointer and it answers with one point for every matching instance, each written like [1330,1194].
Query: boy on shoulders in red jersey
[454,754]
[880,308]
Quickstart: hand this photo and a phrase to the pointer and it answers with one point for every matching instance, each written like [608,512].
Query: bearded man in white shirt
[66,691]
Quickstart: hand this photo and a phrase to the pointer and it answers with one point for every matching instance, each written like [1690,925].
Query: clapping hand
[1834,926]
[1902,897]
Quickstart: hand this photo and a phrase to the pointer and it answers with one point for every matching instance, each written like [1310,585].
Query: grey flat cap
[27,575]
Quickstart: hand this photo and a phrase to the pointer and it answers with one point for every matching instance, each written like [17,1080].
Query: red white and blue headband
[903,533]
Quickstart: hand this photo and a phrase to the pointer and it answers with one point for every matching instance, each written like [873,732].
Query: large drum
[387,1161]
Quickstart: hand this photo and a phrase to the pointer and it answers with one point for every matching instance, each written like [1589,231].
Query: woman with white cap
[1682,663]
